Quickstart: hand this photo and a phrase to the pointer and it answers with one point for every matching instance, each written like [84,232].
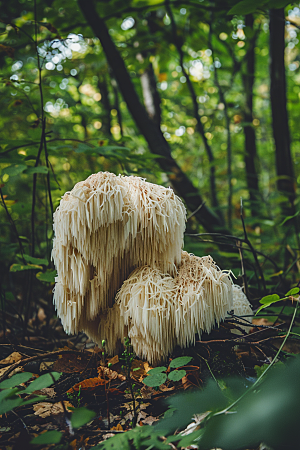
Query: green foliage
[156,377]
[12,397]
[81,416]
[75,397]
[269,300]
[234,418]
[47,438]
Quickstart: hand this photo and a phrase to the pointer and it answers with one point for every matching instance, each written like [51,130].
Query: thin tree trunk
[106,122]
[281,132]
[157,143]
[199,127]
[151,95]
[249,132]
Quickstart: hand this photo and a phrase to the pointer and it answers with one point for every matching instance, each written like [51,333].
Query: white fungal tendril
[121,270]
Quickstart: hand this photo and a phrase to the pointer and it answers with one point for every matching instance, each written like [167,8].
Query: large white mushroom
[121,270]
[105,227]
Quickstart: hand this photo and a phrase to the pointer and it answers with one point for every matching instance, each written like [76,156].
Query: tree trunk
[106,122]
[284,165]
[249,132]
[156,141]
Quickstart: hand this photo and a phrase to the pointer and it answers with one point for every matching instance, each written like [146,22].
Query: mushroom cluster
[121,270]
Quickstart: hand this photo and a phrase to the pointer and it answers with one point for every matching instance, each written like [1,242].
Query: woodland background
[198,95]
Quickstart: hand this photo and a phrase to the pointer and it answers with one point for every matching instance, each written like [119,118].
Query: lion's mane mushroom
[121,270]
[161,311]
[105,227]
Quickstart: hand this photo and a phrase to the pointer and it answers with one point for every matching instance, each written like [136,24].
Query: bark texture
[249,132]
[281,132]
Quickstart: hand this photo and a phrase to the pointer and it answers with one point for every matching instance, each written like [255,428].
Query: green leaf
[14,170]
[32,260]
[15,380]
[5,393]
[21,267]
[177,375]
[81,416]
[246,7]
[47,277]
[179,362]
[292,291]
[276,4]
[157,370]
[289,218]
[155,380]
[9,404]
[50,437]
[39,169]
[43,381]
[268,299]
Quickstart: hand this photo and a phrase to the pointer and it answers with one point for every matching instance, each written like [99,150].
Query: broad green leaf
[43,381]
[48,438]
[38,169]
[157,370]
[5,393]
[14,169]
[155,380]
[176,375]
[15,380]
[293,291]
[276,4]
[81,416]
[21,267]
[32,260]
[9,404]
[246,7]
[179,362]
[47,277]
[268,299]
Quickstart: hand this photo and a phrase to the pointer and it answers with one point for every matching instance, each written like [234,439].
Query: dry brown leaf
[12,358]
[118,427]
[113,360]
[46,409]
[110,374]
[142,366]
[50,392]
[46,365]
[71,362]
[149,420]
[88,384]
[147,392]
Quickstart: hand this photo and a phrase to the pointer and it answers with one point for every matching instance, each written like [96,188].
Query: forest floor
[91,379]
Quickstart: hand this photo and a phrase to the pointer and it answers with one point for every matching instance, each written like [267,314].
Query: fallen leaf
[46,365]
[50,392]
[149,420]
[12,358]
[118,427]
[88,384]
[139,370]
[71,362]
[110,374]
[46,409]
[113,360]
